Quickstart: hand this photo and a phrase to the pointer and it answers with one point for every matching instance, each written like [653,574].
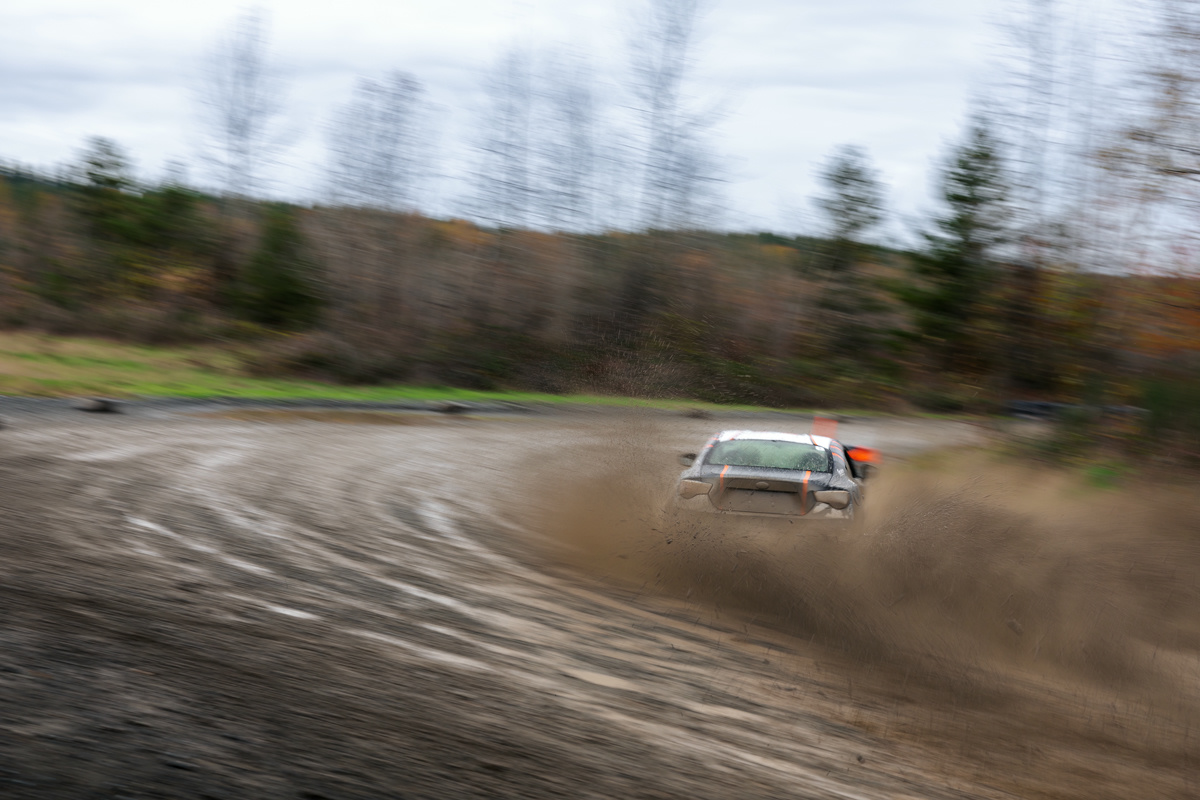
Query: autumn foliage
[359,295]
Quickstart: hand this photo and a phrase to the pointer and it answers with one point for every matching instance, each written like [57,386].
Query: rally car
[782,475]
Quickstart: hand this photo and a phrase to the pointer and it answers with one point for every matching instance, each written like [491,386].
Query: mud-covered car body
[774,475]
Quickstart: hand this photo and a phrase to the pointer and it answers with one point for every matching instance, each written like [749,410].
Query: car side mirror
[687,459]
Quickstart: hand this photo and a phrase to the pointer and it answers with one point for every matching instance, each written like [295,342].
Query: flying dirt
[198,602]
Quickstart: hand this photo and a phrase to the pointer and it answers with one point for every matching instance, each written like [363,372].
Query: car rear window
[770,455]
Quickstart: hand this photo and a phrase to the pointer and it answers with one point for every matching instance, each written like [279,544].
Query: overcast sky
[796,77]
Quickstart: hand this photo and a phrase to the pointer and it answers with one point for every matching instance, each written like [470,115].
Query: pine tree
[107,199]
[957,268]
[276,287]
[853,204]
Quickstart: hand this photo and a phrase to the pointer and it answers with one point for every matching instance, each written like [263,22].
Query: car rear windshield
[769,455]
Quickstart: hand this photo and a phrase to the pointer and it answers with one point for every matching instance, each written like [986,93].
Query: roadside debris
[99,405]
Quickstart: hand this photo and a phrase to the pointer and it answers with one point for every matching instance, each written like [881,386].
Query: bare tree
[378,145]
[1040,120]
[504,191]
[677,165]
[378,157]
[1049,115]
[1040,102]
[241,97]
[1164,140]
[570,147]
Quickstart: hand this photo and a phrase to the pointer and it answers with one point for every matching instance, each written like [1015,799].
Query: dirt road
[272,605]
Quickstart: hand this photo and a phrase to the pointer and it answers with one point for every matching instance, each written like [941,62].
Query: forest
[1047,270]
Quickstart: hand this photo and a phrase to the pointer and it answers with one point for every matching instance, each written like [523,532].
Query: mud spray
[950,569]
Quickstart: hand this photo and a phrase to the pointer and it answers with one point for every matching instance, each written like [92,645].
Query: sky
[793,79]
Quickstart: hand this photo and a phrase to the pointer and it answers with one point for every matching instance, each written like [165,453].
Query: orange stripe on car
[722,487]
[804,493]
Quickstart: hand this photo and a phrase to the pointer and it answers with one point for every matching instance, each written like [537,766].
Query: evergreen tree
[170,218]
[853,204]
[956,269]
[106,188]
[276,287]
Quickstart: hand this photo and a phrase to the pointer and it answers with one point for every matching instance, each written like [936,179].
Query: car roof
[774,436]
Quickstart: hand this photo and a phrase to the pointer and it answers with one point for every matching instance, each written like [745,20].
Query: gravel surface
[233,601]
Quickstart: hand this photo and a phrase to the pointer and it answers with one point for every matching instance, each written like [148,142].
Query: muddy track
[206,606]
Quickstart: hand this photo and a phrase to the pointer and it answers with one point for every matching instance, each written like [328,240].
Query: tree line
[1054,264]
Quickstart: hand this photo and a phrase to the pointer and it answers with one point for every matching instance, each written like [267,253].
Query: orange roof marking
[823,426]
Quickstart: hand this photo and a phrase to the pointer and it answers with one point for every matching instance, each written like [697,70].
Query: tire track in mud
[368,546]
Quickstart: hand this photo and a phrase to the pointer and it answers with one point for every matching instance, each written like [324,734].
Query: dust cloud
[952,570]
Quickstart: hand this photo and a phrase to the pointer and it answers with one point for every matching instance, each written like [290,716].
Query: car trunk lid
[764,495]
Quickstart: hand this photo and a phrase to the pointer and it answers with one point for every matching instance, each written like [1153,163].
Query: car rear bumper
[702,506]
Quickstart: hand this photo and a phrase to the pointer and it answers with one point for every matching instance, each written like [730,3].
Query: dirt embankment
[207,607]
